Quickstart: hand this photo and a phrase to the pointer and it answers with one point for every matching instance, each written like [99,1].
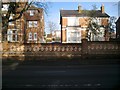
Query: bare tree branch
[22,11]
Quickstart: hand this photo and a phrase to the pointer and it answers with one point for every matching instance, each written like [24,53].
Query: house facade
[15,28]
[34,32]
[27,29]
[57,36]
[74,25]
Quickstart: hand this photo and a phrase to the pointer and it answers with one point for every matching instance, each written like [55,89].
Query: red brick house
[27,29]
[34,32]
[74,25]
[15,32]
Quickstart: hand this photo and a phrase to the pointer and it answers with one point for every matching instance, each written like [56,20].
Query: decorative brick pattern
[85,49]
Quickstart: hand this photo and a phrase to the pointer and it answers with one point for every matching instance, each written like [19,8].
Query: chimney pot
[79,8]
[102,9]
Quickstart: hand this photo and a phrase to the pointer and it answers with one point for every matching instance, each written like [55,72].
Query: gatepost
[84,48]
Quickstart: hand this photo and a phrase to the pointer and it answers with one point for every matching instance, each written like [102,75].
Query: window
[73,21]
[4,14]
[30,36]
[31,12]
[35,36]
[99,21]
[9,36]
[73,36]
[11,17]
[11,23]
[5,7]
[12,35]
[35,23]
[30,24]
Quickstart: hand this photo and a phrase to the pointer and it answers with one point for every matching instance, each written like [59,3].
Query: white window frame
[35,23]
[5,7]
[30,36]
[78,36]
[35,36]
[10,35]
[31,12]
[30,23]
[11,17]
[11,23]
[15,34]
[99,21]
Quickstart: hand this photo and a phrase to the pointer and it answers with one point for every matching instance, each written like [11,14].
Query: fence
[85,49]
[109,49]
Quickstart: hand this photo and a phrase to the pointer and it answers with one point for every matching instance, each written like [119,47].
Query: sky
[111,8]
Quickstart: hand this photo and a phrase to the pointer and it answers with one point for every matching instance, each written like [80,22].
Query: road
[65,76]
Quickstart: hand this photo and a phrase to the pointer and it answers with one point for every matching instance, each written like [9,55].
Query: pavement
[62,76]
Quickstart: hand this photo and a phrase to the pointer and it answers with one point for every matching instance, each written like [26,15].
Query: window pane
[9,35]
[31,12]
[74,36]
[30,24]
[30,36]
[11,17]
[35,23]
[5,7]
[35,36]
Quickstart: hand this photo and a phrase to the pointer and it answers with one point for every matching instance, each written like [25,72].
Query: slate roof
[97,13]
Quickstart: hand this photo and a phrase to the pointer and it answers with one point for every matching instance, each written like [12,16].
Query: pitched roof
[97,13]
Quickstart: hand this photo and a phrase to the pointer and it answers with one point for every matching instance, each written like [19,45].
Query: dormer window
[31,12]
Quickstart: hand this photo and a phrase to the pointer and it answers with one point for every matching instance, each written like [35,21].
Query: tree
[51,26]
[93,26]
[111,25]
[13,9]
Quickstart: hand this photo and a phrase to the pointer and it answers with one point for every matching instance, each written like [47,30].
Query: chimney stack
[79,9]
[102,9]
